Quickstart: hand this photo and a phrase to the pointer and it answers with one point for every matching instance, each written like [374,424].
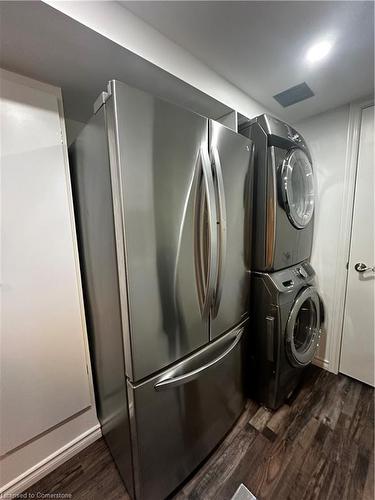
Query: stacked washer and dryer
[285,305]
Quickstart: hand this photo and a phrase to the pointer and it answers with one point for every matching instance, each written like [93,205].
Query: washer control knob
[302,272]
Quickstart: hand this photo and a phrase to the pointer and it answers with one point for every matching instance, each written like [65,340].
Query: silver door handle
[222,227]
[212,230]
[360,267]
[171,382]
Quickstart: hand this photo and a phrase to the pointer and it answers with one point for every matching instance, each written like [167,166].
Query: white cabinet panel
[44,377]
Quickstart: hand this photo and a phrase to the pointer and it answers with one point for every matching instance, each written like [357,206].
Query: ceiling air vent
[294,94]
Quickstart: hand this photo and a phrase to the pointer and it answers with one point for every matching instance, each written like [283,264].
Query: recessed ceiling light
[319,51]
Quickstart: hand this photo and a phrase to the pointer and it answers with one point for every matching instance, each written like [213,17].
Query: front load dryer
[283,196]
[285,327]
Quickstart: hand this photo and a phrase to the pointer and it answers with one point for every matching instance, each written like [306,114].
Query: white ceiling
[42,43]
[260,46]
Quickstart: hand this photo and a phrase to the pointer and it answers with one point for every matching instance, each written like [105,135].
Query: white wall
[73,128]
[121,26]
[327,137]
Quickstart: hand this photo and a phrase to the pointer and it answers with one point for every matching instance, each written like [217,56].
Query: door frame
[345,229]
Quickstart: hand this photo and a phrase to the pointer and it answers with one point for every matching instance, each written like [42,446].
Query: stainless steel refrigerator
[163,207]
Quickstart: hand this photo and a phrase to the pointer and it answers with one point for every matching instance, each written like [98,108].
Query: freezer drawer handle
[168,383]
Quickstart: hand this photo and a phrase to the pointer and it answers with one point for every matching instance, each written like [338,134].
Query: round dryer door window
[298,188]
[303,327]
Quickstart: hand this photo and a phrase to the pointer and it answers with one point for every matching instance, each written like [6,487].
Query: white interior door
[357,350]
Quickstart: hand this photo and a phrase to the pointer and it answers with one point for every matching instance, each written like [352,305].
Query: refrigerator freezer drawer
[180,415]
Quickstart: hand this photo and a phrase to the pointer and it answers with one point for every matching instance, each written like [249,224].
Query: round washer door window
[302,330]
[297,187]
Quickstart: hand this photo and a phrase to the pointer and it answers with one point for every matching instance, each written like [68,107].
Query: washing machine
[285,330]
[284,196]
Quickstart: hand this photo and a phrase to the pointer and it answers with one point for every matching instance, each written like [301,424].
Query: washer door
[303,326]
[297,188]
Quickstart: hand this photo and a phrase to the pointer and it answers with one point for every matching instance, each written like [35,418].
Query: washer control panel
[287,279]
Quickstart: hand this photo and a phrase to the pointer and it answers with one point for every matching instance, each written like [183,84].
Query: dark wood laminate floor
[319,446]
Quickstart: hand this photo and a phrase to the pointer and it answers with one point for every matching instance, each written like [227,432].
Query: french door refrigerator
[162,200]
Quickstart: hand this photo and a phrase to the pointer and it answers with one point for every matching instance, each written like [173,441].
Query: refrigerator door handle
[206,261]
[171,382]
[222,227]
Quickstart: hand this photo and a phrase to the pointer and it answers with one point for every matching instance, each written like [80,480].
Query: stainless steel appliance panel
[291,245]
[278,243]
[160,161]
[285,327]
[232,157]
[91,182]
[264,201]
[182,414]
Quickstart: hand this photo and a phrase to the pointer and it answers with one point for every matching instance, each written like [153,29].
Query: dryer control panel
[279,133]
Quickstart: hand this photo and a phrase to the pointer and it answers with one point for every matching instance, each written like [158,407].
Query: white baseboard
[44,467]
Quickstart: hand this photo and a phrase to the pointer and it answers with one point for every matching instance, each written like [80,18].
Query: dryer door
[297,188]
[303,327]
